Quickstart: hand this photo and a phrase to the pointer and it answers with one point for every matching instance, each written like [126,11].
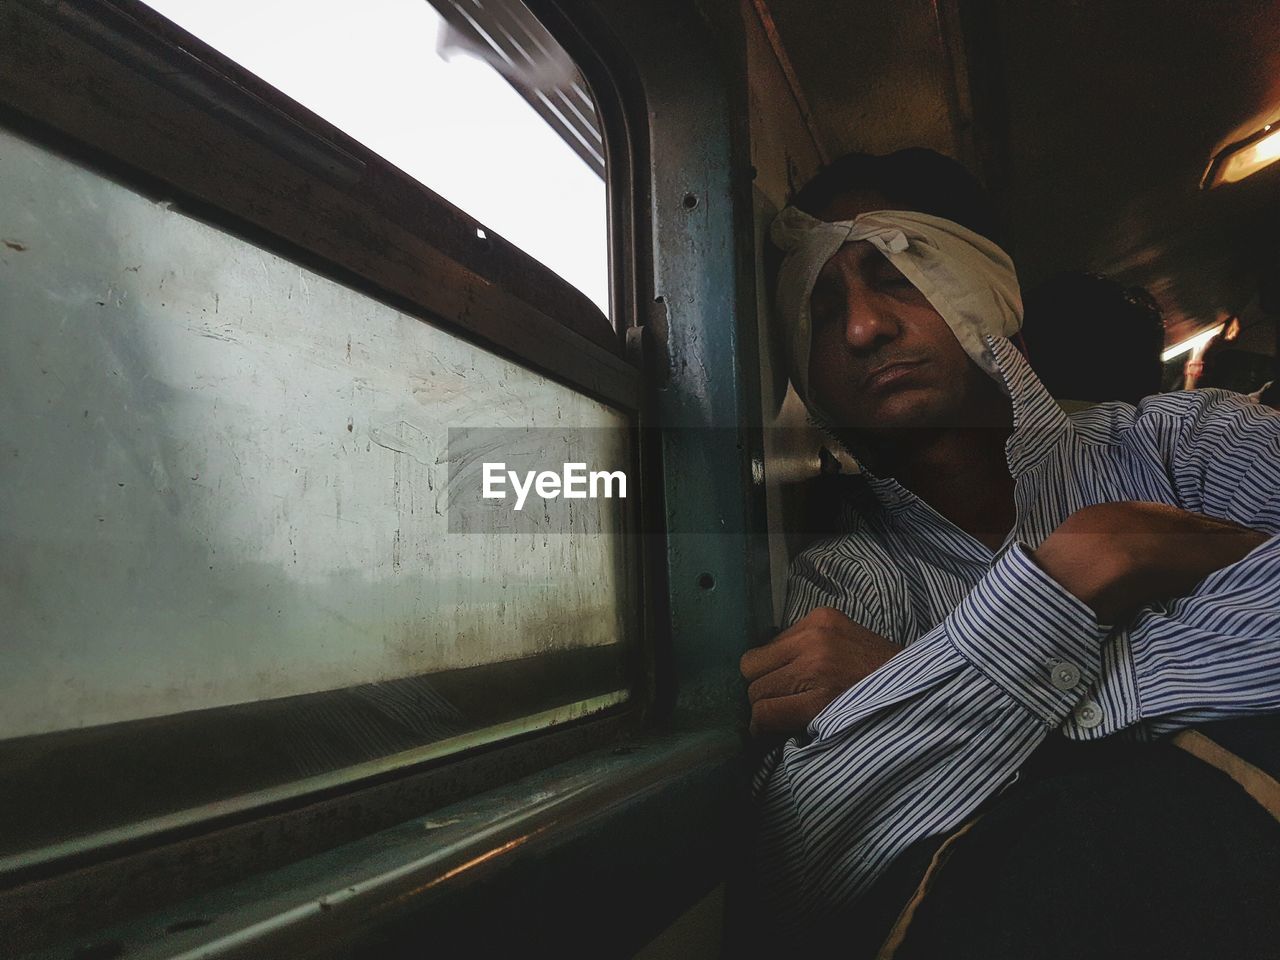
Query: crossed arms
[903,743]
[1114,557]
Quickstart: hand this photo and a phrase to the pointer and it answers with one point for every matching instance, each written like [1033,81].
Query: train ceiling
[1092,121]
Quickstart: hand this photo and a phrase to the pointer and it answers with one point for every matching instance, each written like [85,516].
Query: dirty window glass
[228,568]
[472,98]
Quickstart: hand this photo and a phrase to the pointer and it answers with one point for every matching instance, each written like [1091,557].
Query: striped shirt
[991,641]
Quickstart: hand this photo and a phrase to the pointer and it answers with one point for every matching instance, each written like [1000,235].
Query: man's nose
[867,325]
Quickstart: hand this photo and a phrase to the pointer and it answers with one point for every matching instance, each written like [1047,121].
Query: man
[1016,594]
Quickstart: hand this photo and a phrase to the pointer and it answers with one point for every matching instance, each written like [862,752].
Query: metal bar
[244,802]
[357,733]
[422,881]
[780,54]
[506,29]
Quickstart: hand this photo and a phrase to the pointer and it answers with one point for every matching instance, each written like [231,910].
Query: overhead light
[1244,157]
[1192,343]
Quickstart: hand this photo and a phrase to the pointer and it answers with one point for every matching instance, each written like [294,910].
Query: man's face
[882,358]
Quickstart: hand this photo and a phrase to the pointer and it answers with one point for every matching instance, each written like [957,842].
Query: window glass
[224,526]
[394,75]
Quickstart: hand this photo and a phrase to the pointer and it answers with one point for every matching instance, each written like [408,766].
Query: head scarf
[967,278]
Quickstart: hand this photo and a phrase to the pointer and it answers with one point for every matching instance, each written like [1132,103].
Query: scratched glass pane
[224,474]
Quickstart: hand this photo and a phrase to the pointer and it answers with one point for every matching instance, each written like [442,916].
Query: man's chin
[912,410]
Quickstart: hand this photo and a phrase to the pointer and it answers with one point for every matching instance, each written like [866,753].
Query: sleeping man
[1027,689]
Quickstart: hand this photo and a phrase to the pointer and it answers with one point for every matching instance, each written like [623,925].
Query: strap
[903,923]
[1255,782]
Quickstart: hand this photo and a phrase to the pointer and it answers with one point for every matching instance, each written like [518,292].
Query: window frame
[149,103]
[118,87]
[671,75]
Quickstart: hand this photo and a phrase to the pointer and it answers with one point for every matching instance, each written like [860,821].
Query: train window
[525,154]
[239,565]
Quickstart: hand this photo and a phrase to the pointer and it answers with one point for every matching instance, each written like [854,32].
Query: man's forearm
[1216,653]
[1118,557]
[915,747]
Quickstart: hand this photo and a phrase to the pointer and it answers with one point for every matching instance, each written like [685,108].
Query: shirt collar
[1039,424]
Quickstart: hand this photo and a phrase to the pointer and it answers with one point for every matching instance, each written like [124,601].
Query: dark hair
[915,179]
[1089,338]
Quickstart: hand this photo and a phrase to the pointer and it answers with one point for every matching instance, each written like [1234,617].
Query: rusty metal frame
[577,859]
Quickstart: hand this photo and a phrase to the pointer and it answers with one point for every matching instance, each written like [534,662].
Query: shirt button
[1064,675]
[1088,714]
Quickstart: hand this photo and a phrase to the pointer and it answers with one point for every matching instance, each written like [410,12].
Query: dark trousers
[1167,850]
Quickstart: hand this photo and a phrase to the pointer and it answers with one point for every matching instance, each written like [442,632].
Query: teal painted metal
[687,84]
[704,329]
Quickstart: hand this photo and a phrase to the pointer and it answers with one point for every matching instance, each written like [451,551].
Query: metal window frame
[118,87]
[117,764]
[684,295]
[505,31]
[163,109]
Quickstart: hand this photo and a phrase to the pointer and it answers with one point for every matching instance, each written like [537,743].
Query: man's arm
[1119,557]
[915,744]
[1223,454]
[914,747]
[1215,653]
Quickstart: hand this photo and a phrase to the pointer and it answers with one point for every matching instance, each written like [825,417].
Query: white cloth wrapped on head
[967,278]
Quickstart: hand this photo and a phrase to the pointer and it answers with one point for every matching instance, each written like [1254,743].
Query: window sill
[592,856]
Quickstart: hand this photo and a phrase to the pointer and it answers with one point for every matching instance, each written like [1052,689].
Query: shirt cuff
[1026,633]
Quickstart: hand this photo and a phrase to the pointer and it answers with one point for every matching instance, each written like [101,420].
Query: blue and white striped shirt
[915,748]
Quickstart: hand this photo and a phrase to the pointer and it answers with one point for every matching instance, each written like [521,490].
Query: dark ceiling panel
[875,72]
[1095,119]
[1113,112]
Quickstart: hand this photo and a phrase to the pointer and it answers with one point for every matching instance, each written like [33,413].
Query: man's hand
[806,667]
[1118,557]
